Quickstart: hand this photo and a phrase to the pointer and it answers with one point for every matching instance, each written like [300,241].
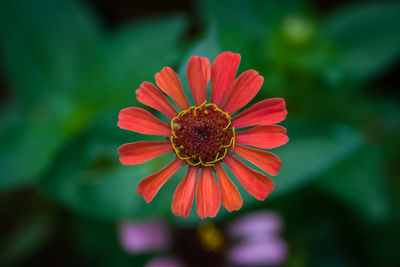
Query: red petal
[243,90]
[230,196]
[223,73]
[263,159]
[169,83]
[142,121]
[184,193]
[198,75]
[266,136]
[257,184]
[150,185]
[268,111]
[139,152]
[208,199]
[149,95]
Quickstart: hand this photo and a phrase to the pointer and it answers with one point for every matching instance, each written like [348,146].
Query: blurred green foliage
[68,76]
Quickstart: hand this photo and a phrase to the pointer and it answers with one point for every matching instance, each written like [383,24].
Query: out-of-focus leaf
[136,53]
[232,16]
[358,182]
[367,37]
[26,154]
[312,156]
[248,27]
[250,18]
[43,44]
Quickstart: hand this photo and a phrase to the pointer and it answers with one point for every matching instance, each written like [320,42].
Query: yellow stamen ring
[180,148]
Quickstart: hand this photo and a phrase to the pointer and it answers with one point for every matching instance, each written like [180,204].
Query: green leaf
[26,154]
[306,158]
[367,37]
[358,182]
[247,27]
[136,53]
[44,44]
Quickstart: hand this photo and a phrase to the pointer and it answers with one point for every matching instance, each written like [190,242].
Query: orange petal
[139,152]
[243,90]
[266,136]
[263,159]
[230,196]
[169,83]
[142,121]
[268,111]
[150,185]
[149,95]
[223,73]
[184,193]
[208,199]
[257,184]
[198,74]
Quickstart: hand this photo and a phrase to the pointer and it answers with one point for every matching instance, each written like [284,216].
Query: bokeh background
[68,67]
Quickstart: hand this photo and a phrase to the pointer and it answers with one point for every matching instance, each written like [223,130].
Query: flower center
[202,134]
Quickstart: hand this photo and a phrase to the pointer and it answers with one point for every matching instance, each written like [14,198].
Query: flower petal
[257,184]
[149,95]
[230,196]
[184,193]
[150,185]
[198,74]
[266,136]
[263,159]
[139,152]
[208,198]
[223,73]
[169,83]
[142,121]
[268,111]
[243,90]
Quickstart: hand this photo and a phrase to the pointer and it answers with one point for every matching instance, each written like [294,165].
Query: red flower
[205,135]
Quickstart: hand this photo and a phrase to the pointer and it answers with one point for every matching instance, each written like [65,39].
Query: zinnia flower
[205,135]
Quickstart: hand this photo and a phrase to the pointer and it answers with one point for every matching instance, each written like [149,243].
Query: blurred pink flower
[139,237]
[256,223]
[259,243]
[164,262]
